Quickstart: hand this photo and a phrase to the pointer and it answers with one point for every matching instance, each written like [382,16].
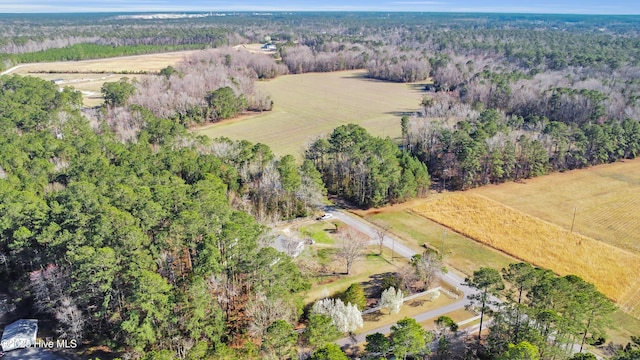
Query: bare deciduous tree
[353,245]
[71,319]
[263,312]
[427,267]
[381,232]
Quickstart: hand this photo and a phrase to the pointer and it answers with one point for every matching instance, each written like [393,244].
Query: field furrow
[614,271]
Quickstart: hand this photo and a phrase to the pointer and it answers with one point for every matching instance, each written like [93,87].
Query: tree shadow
[417,303]
[372,317]
[401,113]
[373,287]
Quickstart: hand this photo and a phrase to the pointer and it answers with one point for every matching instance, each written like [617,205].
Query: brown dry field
[607,198]
[614,271]
[307,106]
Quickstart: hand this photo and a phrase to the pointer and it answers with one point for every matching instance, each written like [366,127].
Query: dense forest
[127,231]
[136,244]
[366,170]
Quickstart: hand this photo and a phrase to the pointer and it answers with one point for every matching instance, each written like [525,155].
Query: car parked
[325,217]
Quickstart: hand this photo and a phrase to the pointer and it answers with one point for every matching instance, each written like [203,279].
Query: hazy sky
[514,6]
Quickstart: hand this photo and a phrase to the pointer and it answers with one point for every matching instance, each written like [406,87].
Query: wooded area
[136,244]
[127,231]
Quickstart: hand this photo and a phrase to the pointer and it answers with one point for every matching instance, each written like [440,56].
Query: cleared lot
[307,106]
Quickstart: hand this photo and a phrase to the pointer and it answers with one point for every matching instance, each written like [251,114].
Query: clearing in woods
[614,271]
[88,76]
[307,106]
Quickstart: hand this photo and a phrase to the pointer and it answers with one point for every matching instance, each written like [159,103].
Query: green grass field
[363,271]
[409,309]
[320,231]
[461,253]
[307,106]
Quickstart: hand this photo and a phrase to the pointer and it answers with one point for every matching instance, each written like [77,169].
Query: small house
[291,247]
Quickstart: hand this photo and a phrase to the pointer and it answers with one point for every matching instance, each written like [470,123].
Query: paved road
[400,249]
[31,354]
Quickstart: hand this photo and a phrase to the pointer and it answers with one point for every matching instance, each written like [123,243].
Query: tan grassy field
[307,106]
[89,84]
[96,72]
[410,308]
[147,62]
[614,271]
[607,198]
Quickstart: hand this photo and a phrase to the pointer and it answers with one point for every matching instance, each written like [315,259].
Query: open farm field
[607,198]
[89,84]
[136,63]
[614,271]
[88,76]
[307,106]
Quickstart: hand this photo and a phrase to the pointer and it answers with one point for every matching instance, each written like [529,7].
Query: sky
[503,6]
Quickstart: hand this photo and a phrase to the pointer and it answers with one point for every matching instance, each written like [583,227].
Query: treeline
[493,127]
[494,148]
[92,51]
[190,94]
[367,170]
[384,64]
[397,47]
[551,316]
[135,244]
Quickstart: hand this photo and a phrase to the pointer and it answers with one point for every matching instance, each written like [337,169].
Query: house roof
[20,334]
[288,246]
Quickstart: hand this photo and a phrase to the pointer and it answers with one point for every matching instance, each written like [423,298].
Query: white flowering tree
[347,318]
[392,299]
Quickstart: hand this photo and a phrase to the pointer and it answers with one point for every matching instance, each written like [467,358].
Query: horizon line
[281,11]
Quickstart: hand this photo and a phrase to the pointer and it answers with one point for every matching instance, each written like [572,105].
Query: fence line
[464,322]
[450,293]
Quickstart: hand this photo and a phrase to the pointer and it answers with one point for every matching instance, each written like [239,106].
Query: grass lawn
[461,253]
[409,309]
[320,231]
[626,326]
[364,271]
[457,316]
[307,106]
